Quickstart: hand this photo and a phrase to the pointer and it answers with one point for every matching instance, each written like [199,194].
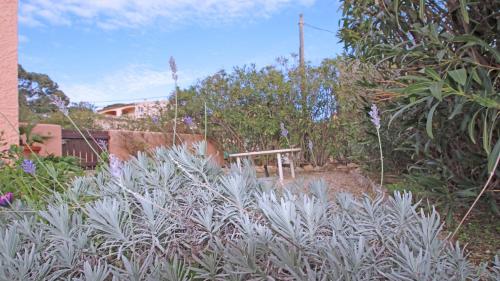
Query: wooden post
[292,167]
[280,168]
[238,162]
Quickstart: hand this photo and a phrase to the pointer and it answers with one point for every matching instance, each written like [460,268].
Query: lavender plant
[28,166]
[6,199]
[284,133]
[188,120]
[173,69]
[177,216]
[375,118]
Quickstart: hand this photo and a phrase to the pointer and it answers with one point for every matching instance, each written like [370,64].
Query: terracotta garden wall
[125,143]
[53,143]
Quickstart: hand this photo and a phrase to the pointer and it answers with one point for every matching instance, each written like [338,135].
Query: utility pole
[301,54]
[301,38]
[302,68]
[302,73]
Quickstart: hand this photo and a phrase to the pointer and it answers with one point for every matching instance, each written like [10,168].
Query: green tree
[35,105]
[35,90]
[82,113]
[247,106]
[439,68]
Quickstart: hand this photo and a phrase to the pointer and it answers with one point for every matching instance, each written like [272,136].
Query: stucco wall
[125,143]
[53,145]
[8,73]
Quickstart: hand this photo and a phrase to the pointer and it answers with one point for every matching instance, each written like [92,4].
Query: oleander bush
[178,216]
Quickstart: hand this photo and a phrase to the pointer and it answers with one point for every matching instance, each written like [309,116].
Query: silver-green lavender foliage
[177,216]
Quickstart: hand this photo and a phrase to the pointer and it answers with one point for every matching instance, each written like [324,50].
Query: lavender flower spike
[188,120]
[6,199]
[284,131]
[28,166]
[103,145]
[61,105]
[375,117]
[173,68]
[115,165]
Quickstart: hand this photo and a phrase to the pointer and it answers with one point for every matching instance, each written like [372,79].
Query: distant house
[135,110]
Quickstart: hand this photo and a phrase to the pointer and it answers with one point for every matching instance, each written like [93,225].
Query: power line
[319,28]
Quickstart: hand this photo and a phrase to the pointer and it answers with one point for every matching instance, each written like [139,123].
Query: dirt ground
[339,178]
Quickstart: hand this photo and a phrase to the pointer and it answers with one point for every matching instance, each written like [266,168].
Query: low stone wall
[124,143]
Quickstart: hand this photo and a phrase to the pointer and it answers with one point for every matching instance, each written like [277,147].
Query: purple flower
[173,68]
[115,165]
[28,166]
[374,115]
[61,105]
[188,121]
[284,131]
[155,119]
[6,199]
[103,145]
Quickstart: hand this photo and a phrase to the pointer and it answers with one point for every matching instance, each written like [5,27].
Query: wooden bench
[278,153]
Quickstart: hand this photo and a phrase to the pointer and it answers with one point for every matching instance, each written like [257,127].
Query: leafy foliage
[52,174]
[83,114]
[35,104]
[177,216]
[35,90]
[247,106]
[438,65]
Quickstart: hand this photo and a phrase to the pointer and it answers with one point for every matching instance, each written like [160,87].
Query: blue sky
[102,51]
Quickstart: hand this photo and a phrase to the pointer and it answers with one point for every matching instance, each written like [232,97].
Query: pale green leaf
[463,9]
[432,73]
[406,107]
[486,139]
[436,90]
[473,40]
[422,9]
[428,124]
[459,75]
[492,158]
[472,124]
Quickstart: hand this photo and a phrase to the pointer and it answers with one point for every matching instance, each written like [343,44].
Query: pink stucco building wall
[8,71]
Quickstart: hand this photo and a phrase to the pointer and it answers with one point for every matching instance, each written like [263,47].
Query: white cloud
[133,83]
[110,14]
[23,39]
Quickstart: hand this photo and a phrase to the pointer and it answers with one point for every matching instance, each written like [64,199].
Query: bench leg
[292,167]
[238,162]
[280,168]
